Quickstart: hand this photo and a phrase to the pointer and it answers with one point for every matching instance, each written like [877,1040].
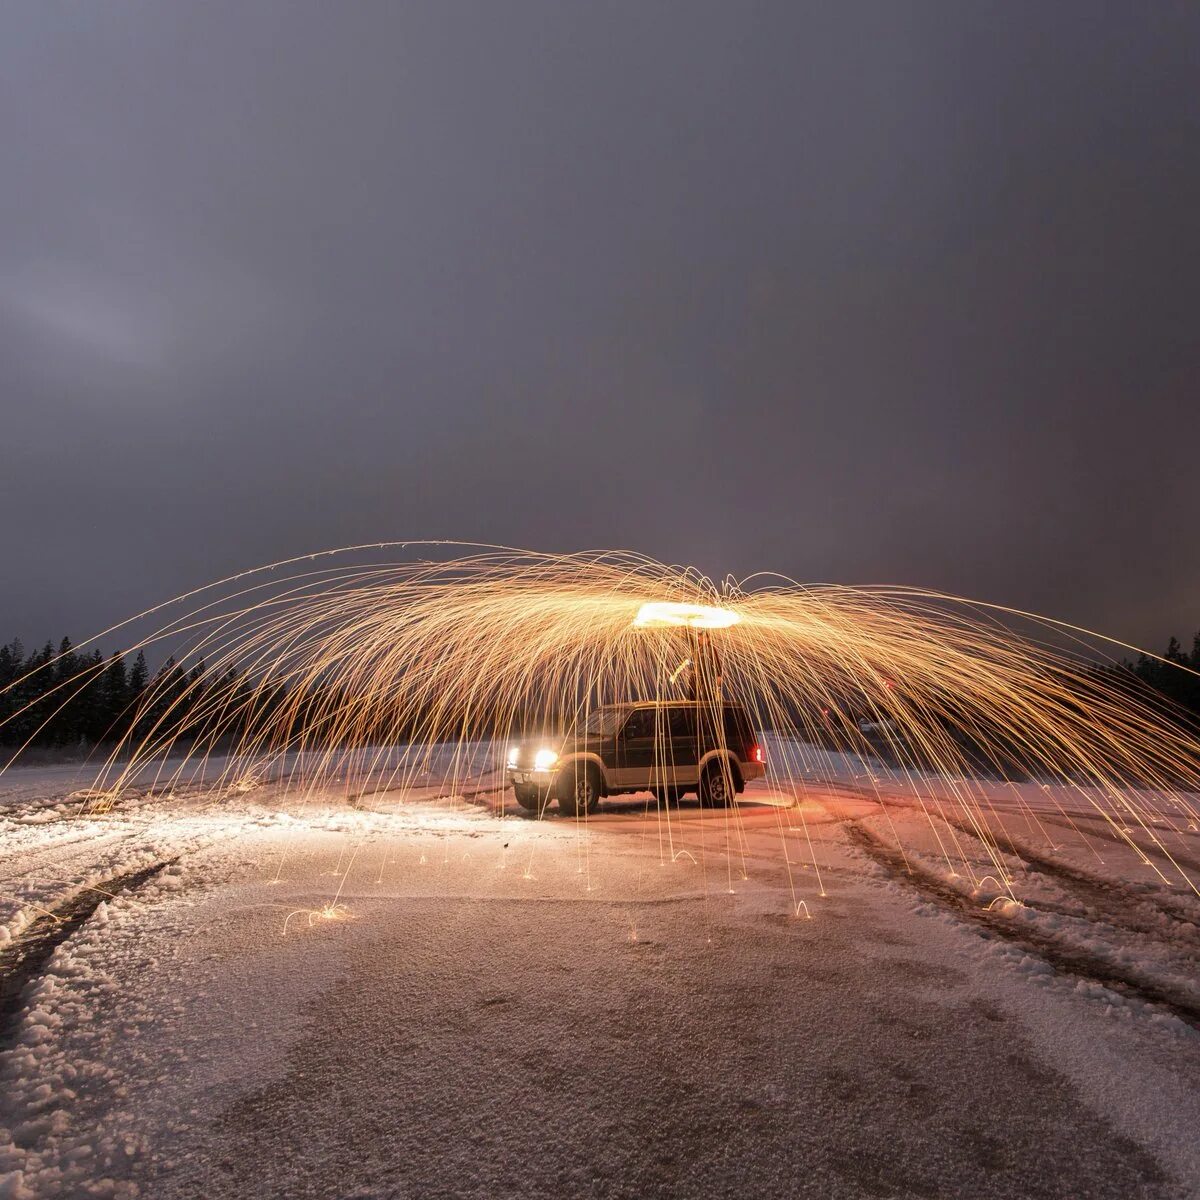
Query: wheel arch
[730,760]
[593,760]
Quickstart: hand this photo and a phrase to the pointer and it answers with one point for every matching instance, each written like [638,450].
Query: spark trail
[369,663]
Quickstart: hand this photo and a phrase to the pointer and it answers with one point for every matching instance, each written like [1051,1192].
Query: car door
[677,751]
[635,749]
[739,733]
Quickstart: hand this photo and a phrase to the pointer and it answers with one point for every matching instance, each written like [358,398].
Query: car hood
[564,744]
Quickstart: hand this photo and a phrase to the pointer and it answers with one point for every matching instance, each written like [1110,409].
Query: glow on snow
[343,666]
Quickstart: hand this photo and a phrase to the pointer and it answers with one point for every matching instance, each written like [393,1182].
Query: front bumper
[527,777]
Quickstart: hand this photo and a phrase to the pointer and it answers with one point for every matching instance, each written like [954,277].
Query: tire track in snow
[1099,827]
[26,958]
[1126,979]
[1116,899]
[62,853]
[1117,904]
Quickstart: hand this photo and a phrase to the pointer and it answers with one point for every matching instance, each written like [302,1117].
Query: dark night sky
[857,292]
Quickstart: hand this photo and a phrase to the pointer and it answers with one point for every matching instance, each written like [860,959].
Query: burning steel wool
[345,667]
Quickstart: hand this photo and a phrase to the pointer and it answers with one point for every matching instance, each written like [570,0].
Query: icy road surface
[431,995]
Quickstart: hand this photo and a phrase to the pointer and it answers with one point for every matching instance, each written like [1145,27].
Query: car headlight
[512,756]
[543,760]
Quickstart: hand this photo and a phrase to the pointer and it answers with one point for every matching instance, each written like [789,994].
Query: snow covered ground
[827,991]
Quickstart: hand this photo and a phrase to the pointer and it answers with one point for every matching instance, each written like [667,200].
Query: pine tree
[176,697]
[138,675]
[1146,669]
[15,693]
[10,662]
[115,697]
[35,722]
[1192,685]
[65,708]
[92,721]
[66,666]
[10,670]
[138,690]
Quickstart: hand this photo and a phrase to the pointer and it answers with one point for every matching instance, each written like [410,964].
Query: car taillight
[756,754]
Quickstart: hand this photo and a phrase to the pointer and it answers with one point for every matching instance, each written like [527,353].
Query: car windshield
[605,721]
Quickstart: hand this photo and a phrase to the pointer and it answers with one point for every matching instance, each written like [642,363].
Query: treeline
[1178,687]
[64,698]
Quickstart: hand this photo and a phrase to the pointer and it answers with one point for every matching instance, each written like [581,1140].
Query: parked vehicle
[668,748]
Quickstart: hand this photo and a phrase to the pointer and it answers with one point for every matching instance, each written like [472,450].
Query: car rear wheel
[716,786]
[579,791]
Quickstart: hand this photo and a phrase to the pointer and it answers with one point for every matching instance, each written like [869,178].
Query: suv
[668,748]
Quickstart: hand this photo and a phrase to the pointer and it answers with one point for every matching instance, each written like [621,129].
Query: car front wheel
[580,791]
[528,798]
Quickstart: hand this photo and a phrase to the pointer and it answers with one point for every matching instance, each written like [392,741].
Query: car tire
[716,786]
[669,795]
[579,790]
[527,798]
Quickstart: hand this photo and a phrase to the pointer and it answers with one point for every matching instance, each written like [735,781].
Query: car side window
[639,725]
[737,727]
[682,725]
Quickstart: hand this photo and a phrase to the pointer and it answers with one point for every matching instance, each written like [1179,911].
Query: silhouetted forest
[59,697]
[1178,687]
[62,698]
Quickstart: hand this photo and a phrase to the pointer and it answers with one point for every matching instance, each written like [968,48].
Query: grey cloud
[863,292]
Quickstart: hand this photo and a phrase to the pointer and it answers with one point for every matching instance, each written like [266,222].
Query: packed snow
[836,988]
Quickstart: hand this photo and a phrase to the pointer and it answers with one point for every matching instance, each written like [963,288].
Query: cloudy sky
[857,292]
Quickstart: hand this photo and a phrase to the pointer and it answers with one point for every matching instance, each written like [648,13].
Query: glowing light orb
[660,613]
